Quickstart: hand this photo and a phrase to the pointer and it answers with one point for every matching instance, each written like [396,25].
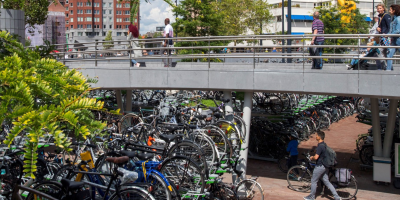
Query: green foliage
[331,17]
[41,96]
[108,45]
[35,10]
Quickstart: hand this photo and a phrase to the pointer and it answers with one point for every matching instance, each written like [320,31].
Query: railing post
[95,50]
[359,41]
[303,54]
[130,54]
[209,52]
[254,53]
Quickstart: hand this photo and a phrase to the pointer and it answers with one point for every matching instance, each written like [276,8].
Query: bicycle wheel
[220,139]
[283,164]
[360,142]
[127,121]
[275,104]
[299,178]
[366,153]
[192,151]
[50,188]
[347,191]
[160,188]
[249,189]
[63,173]
[184,173]
[132,193]
[206,144]
[324,123]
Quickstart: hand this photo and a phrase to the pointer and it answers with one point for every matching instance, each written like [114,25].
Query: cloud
[153,14]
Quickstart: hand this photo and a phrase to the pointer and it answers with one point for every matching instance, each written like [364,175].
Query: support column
[228,106]
[128,100]
[391,122]
[248,104]
[376,127]
[119,100]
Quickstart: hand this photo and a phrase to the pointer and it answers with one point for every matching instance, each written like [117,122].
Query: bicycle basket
[343,176]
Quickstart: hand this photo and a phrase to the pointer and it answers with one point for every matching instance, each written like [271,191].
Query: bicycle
[299,179]
[68,189]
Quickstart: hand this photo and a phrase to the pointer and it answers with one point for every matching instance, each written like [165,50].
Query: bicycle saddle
[145,156]
[169,138]
[71,185]
[200,116]
[118,160]
[130,154]
[214,109]
[226,100]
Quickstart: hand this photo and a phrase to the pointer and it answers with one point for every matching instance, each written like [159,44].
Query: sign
[397,159]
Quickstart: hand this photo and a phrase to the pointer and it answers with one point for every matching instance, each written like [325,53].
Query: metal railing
[257,51]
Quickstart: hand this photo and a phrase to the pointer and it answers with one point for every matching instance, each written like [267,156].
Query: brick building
[89,21]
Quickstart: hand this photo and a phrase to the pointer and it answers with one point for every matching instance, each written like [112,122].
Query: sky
[152,14]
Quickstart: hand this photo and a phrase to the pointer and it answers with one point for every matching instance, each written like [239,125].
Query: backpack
[329,159]
[343,176]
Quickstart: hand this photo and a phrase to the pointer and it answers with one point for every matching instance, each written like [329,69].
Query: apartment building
[90,20]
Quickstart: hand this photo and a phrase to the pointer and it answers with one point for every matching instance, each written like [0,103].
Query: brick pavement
[341,137]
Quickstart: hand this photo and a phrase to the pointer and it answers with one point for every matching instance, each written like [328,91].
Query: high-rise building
[90,20]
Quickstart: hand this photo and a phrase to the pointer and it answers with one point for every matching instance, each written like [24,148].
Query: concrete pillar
[228,106]
[128,100]
[376,127]
[248,104]
[119,100]
[391,122]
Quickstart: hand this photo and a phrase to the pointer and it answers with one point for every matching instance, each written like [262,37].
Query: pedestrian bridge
[253,71]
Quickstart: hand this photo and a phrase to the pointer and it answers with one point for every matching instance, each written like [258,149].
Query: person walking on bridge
[383,28]
[133,33]
[168,33]
[317,28]
[394,29]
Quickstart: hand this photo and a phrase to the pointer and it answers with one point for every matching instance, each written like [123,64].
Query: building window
[88,3]
[126,20]
[110,5]
[119,5]
[104,12]
[66,15]
[104,33]
[67,28]
[110,12]
[88,11]
[104,26]
[72,26]
[96,4]
[127,5]
[119,19]
[119,34]
[71,12]
[66,1]
[110,19]
[96,19]
[71,4]
[72,20]
[135,20]
[126,26]
[66,8]
[104,19]
[88,19]
[80,33]
[89,26]
[67,22]
[110,26]
[119,12]
[97,12]
[81,4]
[127,12]
[104,5]
[279,18]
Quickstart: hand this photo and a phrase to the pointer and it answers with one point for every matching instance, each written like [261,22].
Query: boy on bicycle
[320,171]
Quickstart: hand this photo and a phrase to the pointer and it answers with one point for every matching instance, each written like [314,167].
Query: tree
[332,19]
[108,45]
[239,16]
[35,10]
[41,96]
[135,4]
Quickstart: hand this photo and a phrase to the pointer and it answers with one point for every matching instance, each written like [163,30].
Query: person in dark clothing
[292,149]
[383,28]
[320,172]
[317,28]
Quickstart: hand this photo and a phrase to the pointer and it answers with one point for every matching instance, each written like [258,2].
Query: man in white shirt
[373,29]
[168,33]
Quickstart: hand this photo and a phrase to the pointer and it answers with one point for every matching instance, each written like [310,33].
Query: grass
[208,103]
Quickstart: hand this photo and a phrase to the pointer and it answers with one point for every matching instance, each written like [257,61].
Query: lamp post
[289,28]
[283,27]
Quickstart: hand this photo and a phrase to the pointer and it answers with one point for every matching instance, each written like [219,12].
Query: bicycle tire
[345,192]
[192,151]
[301,180]
[127,120]
[160,188]
[366,153]
[206,144]
[241,125]
[132,193]
[192,179]
[51,188]
[360,142]
[252,190]
[276,105]
[220,139]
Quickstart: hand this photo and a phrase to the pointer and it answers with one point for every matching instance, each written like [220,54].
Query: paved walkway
[341,137]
